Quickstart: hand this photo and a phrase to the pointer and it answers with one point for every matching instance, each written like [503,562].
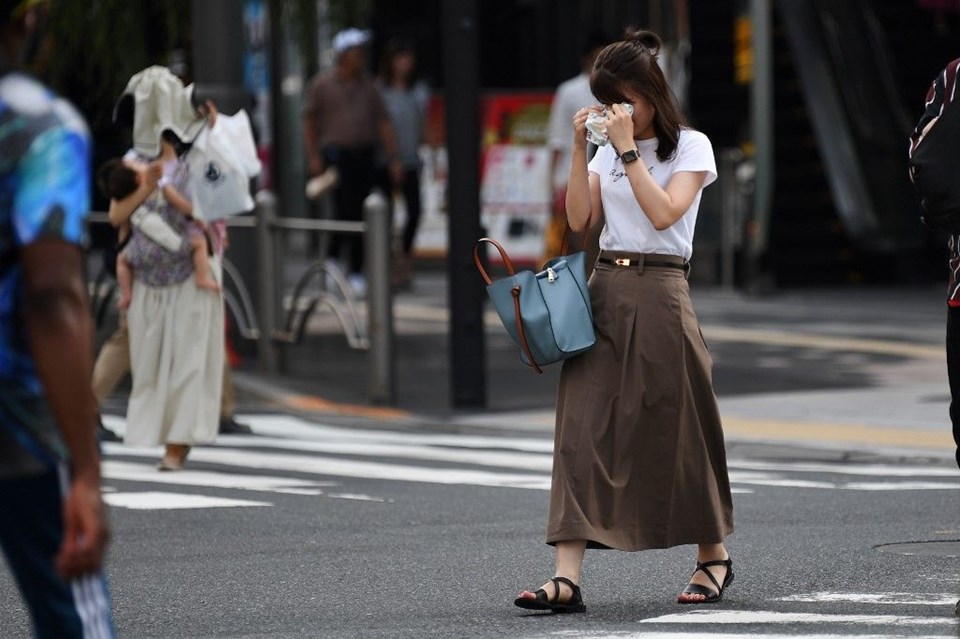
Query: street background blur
[808,105]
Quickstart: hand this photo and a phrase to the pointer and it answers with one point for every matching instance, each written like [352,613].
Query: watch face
[629,156]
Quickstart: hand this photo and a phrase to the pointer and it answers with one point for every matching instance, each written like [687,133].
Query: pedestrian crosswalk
[872,621]
[288,459]
[294,456]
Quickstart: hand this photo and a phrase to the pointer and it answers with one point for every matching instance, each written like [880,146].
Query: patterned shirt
[44,193]
[941,93]
[152,264]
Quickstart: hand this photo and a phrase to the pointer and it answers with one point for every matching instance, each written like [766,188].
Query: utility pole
[217,63]
[761,127]
[461,79]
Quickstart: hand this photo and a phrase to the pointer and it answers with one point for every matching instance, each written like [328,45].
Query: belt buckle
[622,261]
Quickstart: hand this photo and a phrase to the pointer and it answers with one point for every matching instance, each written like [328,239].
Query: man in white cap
[344,119]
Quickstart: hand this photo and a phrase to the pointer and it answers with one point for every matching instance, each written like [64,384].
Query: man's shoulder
[575,92]
[576,84]
[25,97]
[35,110]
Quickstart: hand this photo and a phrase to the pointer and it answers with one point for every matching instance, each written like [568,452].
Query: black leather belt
[627,262]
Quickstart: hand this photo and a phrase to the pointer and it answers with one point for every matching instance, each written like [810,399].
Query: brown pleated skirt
[639,457]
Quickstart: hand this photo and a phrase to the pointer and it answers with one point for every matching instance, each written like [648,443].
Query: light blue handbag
[547,314]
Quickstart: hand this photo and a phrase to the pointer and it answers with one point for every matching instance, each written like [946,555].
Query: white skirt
[176,361]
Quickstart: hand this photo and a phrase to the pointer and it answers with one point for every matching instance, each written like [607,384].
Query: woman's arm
[662,206]
[177,200]
[583,190]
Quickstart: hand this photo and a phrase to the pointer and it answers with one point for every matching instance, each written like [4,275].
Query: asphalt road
[313,530]
[425,521]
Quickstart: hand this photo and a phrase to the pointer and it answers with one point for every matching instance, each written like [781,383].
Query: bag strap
[503,256]
[567,232]
[515,291]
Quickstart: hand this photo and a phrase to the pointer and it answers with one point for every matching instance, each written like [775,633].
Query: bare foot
[208,284]
[174,457]
[124,302]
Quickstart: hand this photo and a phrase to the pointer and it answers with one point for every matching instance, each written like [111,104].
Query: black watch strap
[629,156]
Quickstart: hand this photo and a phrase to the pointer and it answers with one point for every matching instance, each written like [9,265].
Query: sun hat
[350,38]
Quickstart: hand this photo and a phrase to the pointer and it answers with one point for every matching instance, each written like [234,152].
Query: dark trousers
[357,177]
[953,371]
[31,531]
[410,191]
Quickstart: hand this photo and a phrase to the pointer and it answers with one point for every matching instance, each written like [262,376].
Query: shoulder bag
[547,314]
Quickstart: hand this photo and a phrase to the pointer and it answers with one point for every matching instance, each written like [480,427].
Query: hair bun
[647,39]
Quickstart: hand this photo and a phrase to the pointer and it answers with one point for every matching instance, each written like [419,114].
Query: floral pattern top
[152,264]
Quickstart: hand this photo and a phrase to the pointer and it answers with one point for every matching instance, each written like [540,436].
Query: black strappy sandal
[712,596]
[543,602]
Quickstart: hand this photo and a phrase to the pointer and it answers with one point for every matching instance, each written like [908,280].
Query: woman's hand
[209,111]
[153,174]
[620,127]
[579,125]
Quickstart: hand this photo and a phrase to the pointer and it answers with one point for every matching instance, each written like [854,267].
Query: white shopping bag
[221,163]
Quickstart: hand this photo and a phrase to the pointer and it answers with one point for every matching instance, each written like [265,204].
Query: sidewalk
[853,367]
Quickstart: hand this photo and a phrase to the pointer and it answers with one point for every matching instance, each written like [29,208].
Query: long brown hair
[631,64]
[394,48]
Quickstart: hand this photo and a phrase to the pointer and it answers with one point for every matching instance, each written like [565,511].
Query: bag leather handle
[515,291]
[503,256]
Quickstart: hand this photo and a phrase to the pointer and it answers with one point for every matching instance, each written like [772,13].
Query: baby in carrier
[119,178]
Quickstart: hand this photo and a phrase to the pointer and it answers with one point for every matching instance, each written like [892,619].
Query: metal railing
[372,331]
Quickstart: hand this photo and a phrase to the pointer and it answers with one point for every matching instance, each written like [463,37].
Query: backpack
[935,166]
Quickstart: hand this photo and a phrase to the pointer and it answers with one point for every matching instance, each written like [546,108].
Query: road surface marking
[126,471]
[819,432]
[770,617]
[872,470]
[912,350]
[586,634]
[455,459]
[884,598]
[151,500]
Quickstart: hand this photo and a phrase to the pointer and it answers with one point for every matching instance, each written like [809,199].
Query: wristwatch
[629,156]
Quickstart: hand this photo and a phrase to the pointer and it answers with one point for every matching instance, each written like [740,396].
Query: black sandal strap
[716,562]
[697,589]
[702,567]
[574,590]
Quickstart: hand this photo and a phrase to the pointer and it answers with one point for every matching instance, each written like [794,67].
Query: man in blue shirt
[53,527]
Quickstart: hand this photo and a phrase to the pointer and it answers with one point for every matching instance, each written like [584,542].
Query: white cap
[348,39]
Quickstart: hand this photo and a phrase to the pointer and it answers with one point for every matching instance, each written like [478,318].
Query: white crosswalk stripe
[873,622]
[322,456]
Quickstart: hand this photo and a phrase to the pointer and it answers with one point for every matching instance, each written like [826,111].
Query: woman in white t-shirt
[639,458]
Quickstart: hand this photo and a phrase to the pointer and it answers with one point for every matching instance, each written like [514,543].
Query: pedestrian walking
[113,360]
[344,119]
[639,459]
[940,97]
[53,525]
[175,335]
[406,102]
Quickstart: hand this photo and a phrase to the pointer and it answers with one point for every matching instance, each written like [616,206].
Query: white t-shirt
[627,228]
[571,96]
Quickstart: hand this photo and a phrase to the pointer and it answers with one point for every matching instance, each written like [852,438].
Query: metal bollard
[381,378]
[266,212]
